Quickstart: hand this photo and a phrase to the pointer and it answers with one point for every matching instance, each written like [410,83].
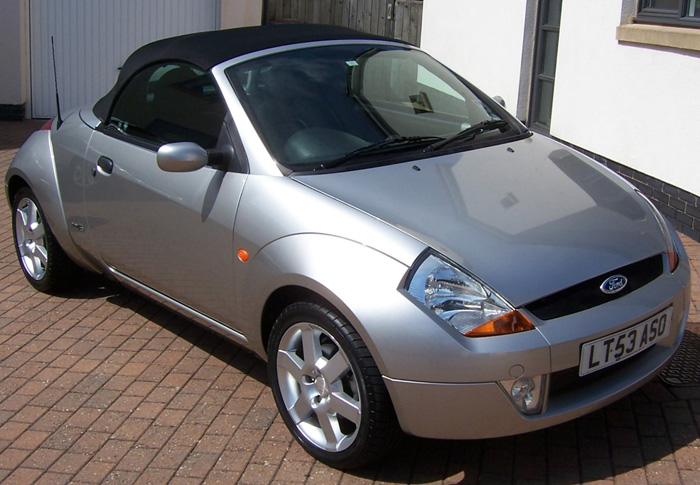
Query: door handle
[105,165]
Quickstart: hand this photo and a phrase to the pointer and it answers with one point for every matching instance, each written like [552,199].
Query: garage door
[93,38]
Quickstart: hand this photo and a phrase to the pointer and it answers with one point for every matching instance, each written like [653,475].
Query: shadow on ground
[632,438]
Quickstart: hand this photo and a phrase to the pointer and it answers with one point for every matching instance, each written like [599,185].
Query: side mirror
[500,100]
[181,157]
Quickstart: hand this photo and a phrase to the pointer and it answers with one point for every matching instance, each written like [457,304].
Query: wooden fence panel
[400,19]
[407,24]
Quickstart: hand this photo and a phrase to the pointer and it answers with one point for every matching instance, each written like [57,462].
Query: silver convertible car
[404,253]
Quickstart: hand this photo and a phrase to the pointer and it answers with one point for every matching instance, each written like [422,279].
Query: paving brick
[12,457]
[627,457]
[260,474]
[188,434]
[324,475]
[270,452]
[293,471]
[30,440]
[232,460]
[148,410]
[631,476]
[223,477]
[23,475]
[155,475]
[51,478]
[212,444]
[688,458]
[662,473]
[51,420]
[170,457]
[155,436]
[656,449]
[93,472]
[690,477]
[42,458]
[70,463]
[89,442]
[11,430]
[113,450]
[137,459]
[197,465]
[63,438]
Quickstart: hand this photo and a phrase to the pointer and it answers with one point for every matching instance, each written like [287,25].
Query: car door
[172,232]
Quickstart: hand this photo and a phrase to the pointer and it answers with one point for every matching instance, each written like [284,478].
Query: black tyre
[328,388]
[43,262]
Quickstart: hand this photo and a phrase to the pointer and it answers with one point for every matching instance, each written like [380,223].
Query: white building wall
[480,39]
[637,105]
[634,104]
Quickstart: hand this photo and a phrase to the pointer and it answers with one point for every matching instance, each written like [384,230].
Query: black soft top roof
[207,49]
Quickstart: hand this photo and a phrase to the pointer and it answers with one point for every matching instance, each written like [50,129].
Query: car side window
[170,103]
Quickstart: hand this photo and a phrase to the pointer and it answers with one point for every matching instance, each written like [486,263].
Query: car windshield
[325,106]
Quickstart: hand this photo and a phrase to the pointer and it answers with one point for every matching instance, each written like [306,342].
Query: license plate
[611,349]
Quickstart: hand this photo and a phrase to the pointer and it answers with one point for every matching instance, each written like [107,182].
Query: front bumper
[482,410]
[476,410]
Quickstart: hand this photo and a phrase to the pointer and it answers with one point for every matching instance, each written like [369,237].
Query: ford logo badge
[614,284]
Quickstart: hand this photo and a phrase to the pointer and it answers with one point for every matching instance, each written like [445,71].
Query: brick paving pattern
[98,385]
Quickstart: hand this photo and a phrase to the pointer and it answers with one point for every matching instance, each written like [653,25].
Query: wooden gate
[400,19]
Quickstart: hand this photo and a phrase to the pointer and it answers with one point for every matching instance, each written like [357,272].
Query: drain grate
[684,369]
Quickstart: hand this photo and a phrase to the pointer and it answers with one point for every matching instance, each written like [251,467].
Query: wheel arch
[13,184]
[284,297]
[354,281]
[33,167]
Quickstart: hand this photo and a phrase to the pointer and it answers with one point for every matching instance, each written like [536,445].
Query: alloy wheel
[318,387]
[30,237]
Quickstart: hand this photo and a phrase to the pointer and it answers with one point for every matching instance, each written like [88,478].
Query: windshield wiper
[399,142]
[469,133]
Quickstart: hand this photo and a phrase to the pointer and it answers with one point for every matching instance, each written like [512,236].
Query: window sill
[660,35]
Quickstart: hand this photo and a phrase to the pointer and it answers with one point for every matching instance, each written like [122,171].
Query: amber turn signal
[672,260]
[243,255]
[512,322]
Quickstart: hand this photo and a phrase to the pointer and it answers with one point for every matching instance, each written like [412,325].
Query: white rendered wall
[480,39]
[636,105]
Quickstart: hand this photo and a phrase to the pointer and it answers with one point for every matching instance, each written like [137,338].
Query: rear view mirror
[500,100]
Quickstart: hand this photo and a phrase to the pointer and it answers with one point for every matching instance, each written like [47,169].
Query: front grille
[588,294]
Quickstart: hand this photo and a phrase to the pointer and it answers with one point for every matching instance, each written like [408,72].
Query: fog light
[522,390]
[526,393]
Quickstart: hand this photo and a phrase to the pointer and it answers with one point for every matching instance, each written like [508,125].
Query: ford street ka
[404,254]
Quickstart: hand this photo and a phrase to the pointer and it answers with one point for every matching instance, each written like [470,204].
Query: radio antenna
[59,121]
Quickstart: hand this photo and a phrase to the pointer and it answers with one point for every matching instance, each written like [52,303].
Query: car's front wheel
[43,262]
[328,388]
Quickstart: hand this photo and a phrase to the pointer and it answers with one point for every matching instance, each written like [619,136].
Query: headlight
[471,307]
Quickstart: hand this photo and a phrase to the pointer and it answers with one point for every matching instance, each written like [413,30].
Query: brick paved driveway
[98,385]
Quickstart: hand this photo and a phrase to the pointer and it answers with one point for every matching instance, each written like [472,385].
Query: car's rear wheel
[328,388]
[43,262]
